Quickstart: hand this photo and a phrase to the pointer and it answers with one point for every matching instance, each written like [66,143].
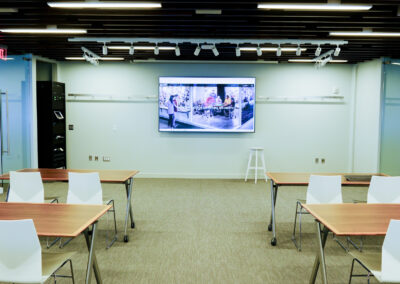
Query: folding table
[301,179]
[348,219]
[106,176]
[61,220]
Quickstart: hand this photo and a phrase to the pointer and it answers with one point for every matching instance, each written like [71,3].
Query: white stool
[259,153]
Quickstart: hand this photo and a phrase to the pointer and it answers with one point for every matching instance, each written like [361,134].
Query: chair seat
[372,260]
[52,261]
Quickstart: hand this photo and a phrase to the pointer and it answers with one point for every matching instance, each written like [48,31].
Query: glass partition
[390,128]
[15,112]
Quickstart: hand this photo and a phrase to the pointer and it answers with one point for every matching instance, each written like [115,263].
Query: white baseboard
[195,176]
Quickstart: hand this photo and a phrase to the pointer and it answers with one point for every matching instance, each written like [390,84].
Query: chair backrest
[391,253]
[384,190]
[324,189]
[84,188]
[26,187]
[21,255]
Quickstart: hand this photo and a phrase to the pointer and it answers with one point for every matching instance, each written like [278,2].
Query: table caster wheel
[273,242]
[133,225]
[126,239]
[270,227]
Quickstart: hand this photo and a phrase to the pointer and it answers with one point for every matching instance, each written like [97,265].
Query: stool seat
[257,152]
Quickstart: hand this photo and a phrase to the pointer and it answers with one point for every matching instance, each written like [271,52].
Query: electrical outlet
[106,159]
[323,160]
[96,158]
[70,127]
[90,157]
[316,160]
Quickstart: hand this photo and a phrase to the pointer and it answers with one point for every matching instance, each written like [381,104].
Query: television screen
[200,104]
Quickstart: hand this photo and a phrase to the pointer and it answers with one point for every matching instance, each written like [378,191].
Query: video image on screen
[199,104]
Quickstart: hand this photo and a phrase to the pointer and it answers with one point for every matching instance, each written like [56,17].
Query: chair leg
[298,212]
[351,270]
[54,275]
[109,244]
[72,272]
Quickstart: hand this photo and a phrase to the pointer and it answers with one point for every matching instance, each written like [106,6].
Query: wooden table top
[303,178]
[111,176]
[52,219]
[355,219]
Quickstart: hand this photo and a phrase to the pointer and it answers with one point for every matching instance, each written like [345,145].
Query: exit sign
[3,53]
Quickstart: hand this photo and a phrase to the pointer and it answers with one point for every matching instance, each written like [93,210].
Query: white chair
[385,265]
[28,187]
[21,257]
[257,153]
[384,190]
[321,190]
[381,190]
[85,188]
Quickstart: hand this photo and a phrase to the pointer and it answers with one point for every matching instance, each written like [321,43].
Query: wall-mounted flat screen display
[200,104]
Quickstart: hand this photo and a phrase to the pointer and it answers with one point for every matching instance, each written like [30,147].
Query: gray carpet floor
[208,231]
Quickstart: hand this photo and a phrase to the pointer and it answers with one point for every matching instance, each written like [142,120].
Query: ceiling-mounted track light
[131,50]
[215,50]
[238,51]
[259,51]
[197,51]
[177,51]
[279,51]
[156,50]
[298,50]
[105,50]
[337,51]
[318,51]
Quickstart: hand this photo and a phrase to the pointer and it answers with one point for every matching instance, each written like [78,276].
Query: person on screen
[171,111]
[228,101]
[218,100]
[175,102]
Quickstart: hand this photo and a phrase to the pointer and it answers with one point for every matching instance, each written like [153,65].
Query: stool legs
[248,165]
[256,167]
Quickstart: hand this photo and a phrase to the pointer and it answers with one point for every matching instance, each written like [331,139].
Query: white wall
[293,134]
[367,117]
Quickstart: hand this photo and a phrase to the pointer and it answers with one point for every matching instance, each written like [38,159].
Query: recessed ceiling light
[315,7]
[272,49]
[44,31]
[313,60]
[395,63]
[101,58]
[104,5]
[208,12]
[8,10]
[367,34]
